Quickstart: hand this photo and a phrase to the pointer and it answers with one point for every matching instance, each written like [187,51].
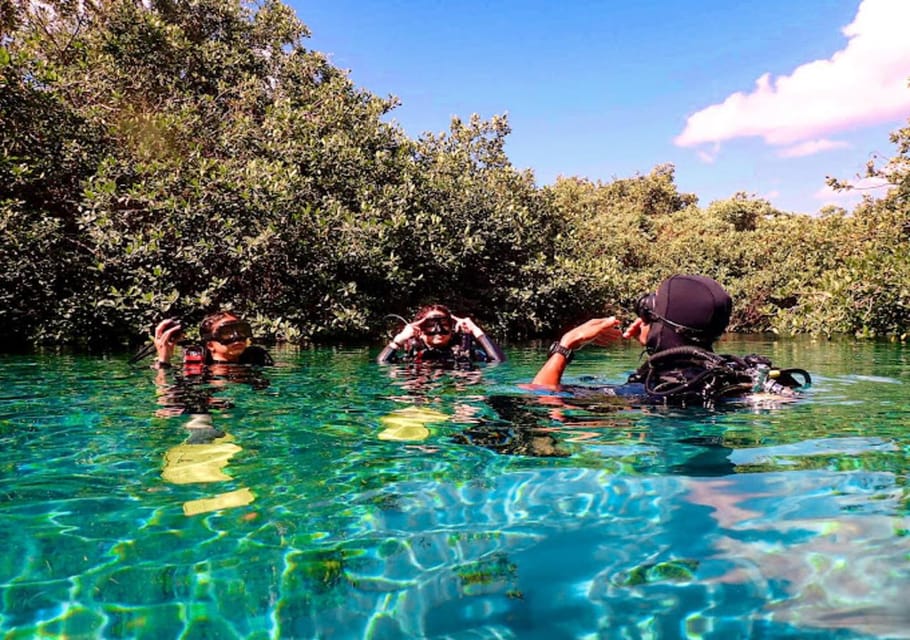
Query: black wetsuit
[687,377]
[461,352]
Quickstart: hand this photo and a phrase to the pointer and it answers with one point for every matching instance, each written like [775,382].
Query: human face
[230,338]
[436,330]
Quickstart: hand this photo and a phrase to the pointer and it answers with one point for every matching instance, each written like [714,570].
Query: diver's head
[436,324]
[225,335]
[686,310]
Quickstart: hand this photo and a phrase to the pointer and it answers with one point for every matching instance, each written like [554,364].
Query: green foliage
[613,230]
[864,286]
[788,273]
[232,167]
[170,158]
[741,212]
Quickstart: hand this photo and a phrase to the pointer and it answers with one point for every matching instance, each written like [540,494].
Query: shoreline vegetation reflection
[344,499]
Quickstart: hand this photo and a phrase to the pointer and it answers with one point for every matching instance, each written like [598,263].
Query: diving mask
[231,332]
[644,307]
[436,326]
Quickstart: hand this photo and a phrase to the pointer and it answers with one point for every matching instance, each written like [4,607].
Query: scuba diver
[226,340]
[437,338]
[224,355]
[678,325]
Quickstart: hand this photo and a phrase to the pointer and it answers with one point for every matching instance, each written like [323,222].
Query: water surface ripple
[333,498]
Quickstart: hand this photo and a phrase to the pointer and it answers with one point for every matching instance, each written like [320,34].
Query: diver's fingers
[608,335]
[590,331]
[461,324]
[410,331]
[168,336]
[161,326]
[633,329]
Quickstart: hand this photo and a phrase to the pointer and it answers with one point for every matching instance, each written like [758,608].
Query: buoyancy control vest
[461,353]
[692,375]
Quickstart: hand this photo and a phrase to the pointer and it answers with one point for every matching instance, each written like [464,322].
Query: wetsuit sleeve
[494,353]
[388,355]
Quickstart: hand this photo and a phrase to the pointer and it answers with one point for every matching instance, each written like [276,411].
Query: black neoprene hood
[689,310]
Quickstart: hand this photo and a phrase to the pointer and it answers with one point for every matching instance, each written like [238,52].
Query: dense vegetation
[167,158]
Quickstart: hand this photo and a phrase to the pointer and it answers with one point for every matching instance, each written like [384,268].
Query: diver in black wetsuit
[438,338]
[678,326]
[225,355]
[226,340]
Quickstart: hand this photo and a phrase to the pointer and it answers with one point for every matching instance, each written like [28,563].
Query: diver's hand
[600,331]
[409,332]
[166,335]
[634,329]
[466,325]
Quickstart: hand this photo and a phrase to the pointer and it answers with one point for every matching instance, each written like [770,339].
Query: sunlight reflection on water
[341,501]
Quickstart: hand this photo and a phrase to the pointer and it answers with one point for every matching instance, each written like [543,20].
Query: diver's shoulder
[257,356]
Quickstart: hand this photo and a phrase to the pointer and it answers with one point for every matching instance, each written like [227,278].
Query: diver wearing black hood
[678,326]
[685,311]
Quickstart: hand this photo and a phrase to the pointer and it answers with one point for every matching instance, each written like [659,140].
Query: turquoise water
[344,500]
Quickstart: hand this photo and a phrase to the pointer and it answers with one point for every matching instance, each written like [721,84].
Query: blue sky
[767,97]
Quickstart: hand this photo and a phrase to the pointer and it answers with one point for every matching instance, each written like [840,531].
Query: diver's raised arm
[493,351]
[166,335]
[389,353]
[600,331]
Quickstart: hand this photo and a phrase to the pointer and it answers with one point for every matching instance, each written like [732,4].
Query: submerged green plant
[495,569]
[670,571]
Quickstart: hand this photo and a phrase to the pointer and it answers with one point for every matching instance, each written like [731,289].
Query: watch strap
[565,352]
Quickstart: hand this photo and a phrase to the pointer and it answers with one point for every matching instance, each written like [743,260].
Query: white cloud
[811,147]
[864,83]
